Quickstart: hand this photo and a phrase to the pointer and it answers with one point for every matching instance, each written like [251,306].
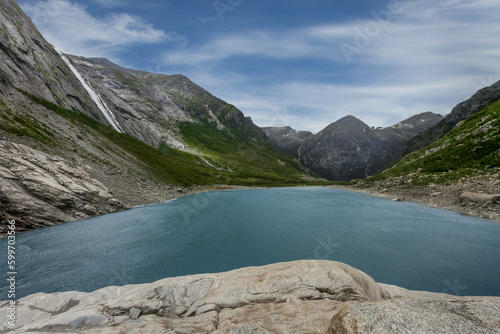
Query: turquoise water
[400,243]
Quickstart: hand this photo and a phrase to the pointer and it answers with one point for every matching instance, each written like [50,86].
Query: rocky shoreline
[478,197]
[308,296]
[38,189]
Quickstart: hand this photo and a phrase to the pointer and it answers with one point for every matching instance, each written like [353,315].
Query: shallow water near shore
[401,243]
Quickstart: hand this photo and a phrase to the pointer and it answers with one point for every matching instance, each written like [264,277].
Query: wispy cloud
[429,56]
[71,28]
[277,45]
[312,106]
[109,3]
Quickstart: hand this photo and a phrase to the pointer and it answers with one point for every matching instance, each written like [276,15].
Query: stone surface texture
[37,189]
[307,296]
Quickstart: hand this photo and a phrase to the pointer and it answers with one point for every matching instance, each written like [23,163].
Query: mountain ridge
[460,112]
[460,171]
[177,137]
[348,148]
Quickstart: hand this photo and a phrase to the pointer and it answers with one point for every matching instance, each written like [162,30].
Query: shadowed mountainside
[348,148]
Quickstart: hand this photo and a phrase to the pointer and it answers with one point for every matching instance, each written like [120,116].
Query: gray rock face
[479,197]
[134,313]
[30,63]
[464,315]
[151,106]
[295,297]
[38,189]
[349,149]
[40,103]
[286,139]
[462,111]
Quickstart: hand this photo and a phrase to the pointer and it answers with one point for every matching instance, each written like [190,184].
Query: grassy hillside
[471,148]
[231,157]
[240,147]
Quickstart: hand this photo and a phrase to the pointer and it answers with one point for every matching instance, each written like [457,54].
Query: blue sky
[298,63]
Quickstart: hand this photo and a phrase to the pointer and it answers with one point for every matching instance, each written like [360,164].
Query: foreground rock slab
[296,297]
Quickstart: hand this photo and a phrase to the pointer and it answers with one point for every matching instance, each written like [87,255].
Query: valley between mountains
[83,136]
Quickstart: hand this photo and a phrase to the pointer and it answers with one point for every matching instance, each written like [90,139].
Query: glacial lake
[401,243]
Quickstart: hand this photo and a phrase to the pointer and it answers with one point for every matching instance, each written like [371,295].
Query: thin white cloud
[312,42]
[429,56]
[375,105]
[72,29]
[108,3]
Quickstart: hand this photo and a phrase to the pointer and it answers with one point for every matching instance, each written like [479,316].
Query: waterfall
[94,95]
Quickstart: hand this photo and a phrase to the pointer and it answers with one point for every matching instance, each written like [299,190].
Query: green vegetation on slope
[25,126]
[470,148]
[252,161]
[234,143]
[256,164]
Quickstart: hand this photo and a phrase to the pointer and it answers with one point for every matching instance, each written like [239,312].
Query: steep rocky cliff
[295,297]
[348,148]
[140,136]
[30,63]
[151,106]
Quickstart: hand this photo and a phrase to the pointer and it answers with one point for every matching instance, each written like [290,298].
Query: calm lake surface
[399,243]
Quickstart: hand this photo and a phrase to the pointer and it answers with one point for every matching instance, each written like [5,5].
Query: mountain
[286,139]
[460,171]
[172,111]
[149,106]
[470,148]
[349,149]
[81,137]
[461,112]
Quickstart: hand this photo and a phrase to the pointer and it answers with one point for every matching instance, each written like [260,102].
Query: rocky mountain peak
[349,148]
[348,126]
[30,63]
[419,122]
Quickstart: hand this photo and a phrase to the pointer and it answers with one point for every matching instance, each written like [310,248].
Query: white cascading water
[95,97]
